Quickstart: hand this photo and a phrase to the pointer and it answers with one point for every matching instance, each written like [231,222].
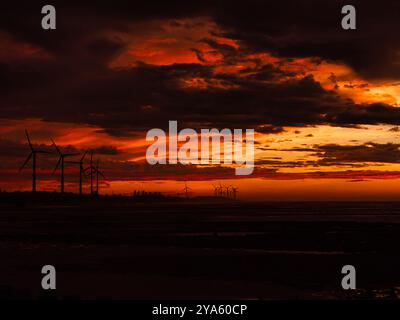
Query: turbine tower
[32,155]
[234,191]
[98,172]
[187,190]
[92,171]
[61,162]
[215,190]
[220,188]
[227,191]
[81,170]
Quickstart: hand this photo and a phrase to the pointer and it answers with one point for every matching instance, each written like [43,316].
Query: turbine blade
[84,155]
[29,140]
[26,161]
[85,173]
[57,165]
[54,144]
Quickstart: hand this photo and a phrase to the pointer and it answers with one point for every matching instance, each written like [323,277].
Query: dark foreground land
[196,250]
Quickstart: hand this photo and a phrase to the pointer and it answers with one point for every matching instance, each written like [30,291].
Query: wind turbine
[234,191]
[33,156]
[98,172]
[92,170]
[220,189]
[186,189]
[81,170]
[61,161]
[215,190]
[227,191]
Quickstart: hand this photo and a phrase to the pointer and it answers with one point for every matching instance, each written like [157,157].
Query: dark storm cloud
[13,149]
[75,84]
[312,29]
[270,129]
[77,20]
[290,28]
[106,150]
[352,156]
[148,96]
[334,154]
[369,152]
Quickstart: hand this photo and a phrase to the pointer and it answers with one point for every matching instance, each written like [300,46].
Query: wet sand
[197,250]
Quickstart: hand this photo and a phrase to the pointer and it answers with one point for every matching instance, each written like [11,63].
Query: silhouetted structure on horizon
[91,168]
[146,195]
[187,191]
[94,170]
[234,192]
[229,193]
[61,165]
[98,172]
[81,170]
[61,162]
[32,155]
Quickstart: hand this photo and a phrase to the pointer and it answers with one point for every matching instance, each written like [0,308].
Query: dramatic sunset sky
[324,102]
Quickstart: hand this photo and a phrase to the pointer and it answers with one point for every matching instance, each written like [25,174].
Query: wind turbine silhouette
[227,190]
[215,190]
[32,155]
[98,172]
[81,170]
[186,189]
[234,191]
[220,190]
[92,170]
[61,162]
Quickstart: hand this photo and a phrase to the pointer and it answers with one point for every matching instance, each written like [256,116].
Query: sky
[323,101]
